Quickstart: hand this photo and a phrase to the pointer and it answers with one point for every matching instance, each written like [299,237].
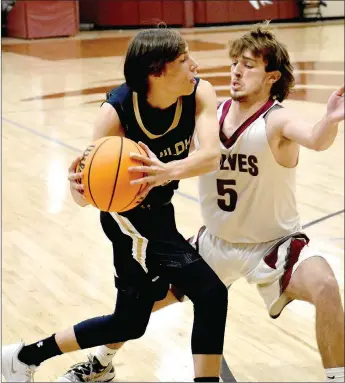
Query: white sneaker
[13,370]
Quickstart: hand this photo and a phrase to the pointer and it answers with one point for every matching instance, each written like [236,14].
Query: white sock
[105,355]
[335,374]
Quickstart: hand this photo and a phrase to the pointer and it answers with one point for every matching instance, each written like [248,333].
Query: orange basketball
[106,177]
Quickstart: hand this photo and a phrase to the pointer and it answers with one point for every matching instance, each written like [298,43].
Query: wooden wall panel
[199,11]
[216,11]
[87,11]
[240,11]
[150,12]
[287,9]
[117,13]
[173,12]
[267,12]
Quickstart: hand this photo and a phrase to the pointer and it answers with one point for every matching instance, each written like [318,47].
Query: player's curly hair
[262,42]
[148,53]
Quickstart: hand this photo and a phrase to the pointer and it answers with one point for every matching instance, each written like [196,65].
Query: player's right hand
[76,187]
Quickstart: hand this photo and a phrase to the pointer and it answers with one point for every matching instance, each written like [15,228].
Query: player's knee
[136,332]
[214,299]
[217,298]
[321,285]
[127,329]
[327,290]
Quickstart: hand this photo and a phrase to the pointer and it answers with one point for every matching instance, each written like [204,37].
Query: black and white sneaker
[90,371]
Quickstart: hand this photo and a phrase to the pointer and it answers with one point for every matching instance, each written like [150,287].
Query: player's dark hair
[148,53]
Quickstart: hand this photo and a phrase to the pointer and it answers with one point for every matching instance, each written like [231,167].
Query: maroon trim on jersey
[225,111]
[227,142]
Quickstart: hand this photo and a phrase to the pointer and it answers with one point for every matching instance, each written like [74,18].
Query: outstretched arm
[317,137]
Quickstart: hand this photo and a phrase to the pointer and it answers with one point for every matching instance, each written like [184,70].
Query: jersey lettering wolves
[250,198]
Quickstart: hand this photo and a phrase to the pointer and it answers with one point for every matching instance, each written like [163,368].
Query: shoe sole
[66,380]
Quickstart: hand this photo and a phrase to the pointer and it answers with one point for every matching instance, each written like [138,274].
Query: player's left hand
[335,106]
[156,171]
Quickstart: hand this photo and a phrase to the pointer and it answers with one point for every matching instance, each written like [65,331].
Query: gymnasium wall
[183,12]
[37,19]
[335,8]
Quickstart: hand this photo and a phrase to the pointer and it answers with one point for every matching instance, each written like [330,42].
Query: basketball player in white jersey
[252,226]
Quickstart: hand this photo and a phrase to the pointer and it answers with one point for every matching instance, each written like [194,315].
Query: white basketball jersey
[250,198]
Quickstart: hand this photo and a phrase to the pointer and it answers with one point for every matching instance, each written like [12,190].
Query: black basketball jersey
[168,133]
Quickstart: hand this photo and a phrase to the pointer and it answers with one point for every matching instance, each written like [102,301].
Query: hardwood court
[57,264]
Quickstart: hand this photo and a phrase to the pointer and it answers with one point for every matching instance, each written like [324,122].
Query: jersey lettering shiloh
[250,198]
[167,133]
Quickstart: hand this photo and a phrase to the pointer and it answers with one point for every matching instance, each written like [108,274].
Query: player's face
[248,77]
[178,76]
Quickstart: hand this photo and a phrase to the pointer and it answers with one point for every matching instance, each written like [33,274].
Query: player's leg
[169,256]
[314,282]
[128,321]
[158,305]
[98,365]
[209,296]
[191,275]
[299,273]
[103,371]
[101,361]
[221,256]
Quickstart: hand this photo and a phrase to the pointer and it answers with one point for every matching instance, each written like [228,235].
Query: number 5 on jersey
[229,200]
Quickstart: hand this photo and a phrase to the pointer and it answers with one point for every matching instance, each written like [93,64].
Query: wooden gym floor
[56,263]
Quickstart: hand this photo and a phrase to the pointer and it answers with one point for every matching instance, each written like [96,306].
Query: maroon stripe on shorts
[294,252]
[190,240]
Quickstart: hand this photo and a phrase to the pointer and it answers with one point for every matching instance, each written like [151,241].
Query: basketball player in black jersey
[161,105]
